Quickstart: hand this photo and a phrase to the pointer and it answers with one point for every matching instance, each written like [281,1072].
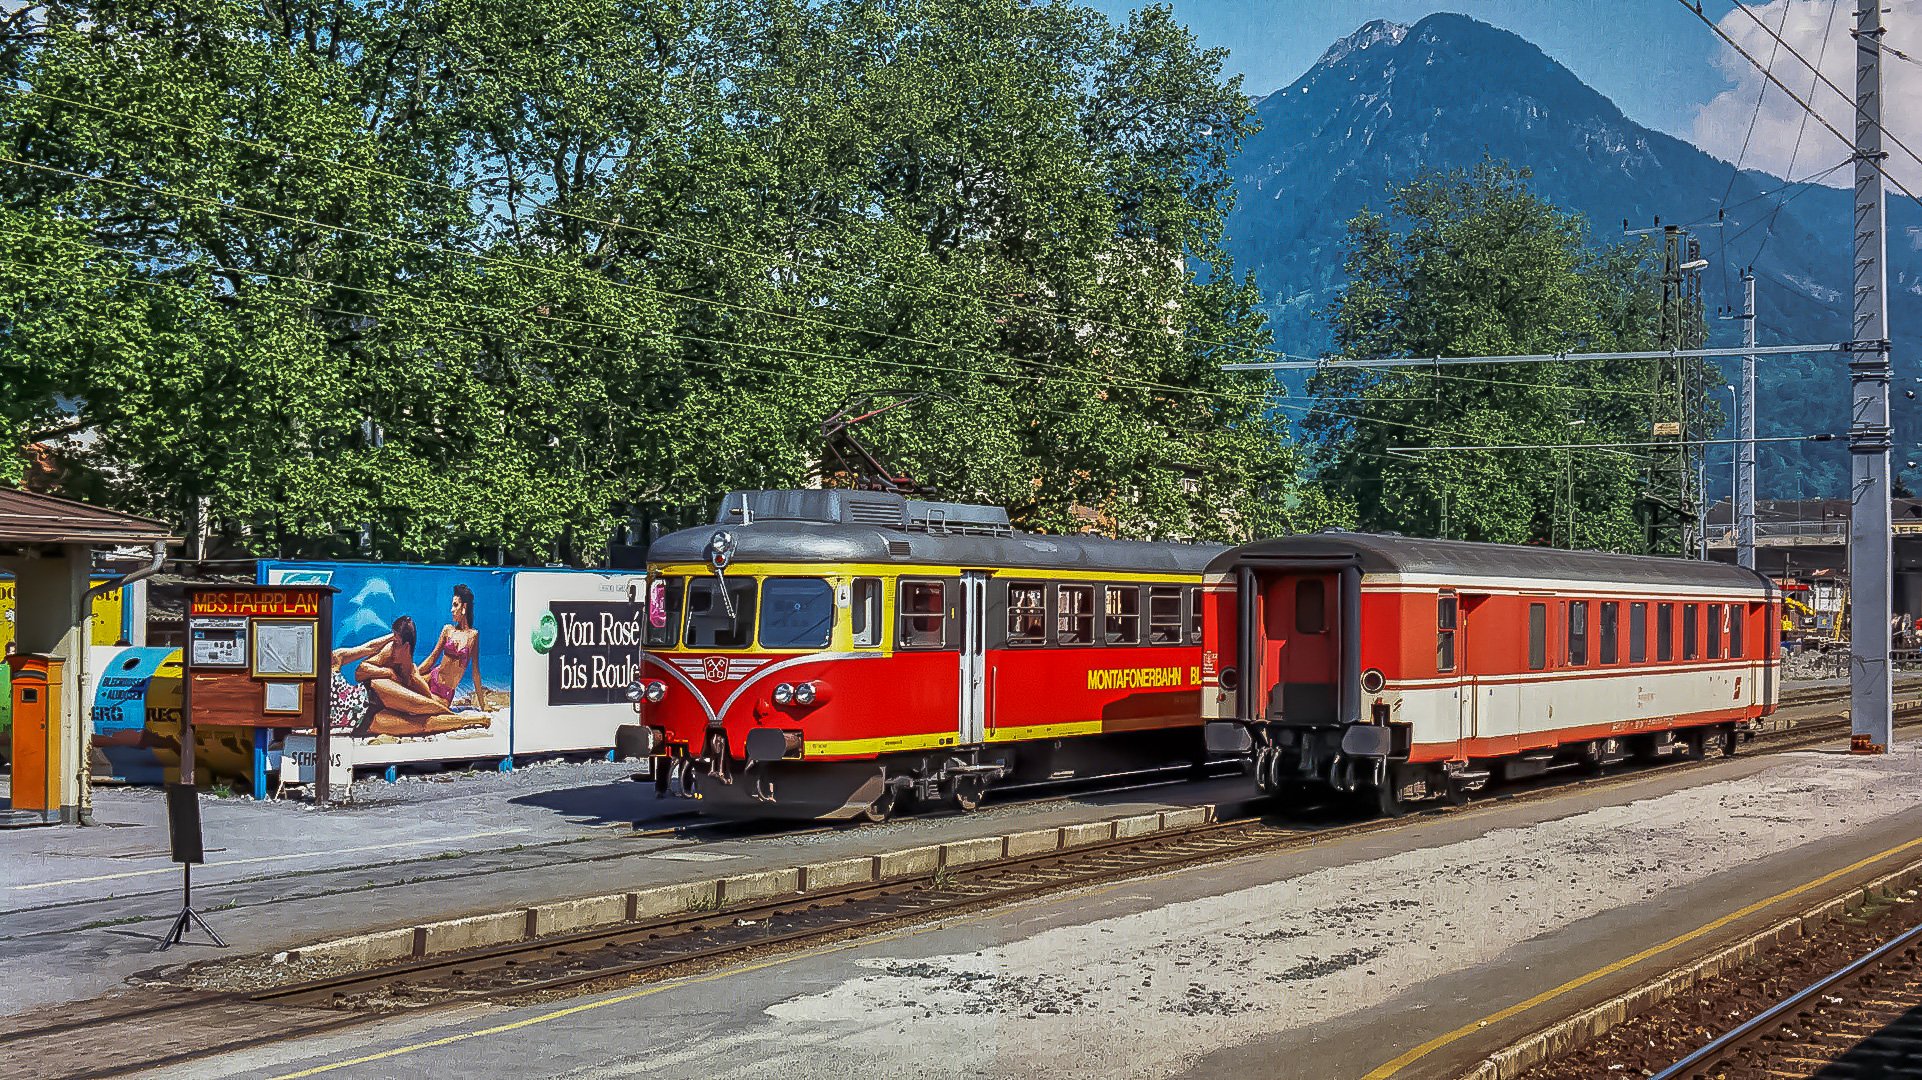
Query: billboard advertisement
[577,641]
[421,661]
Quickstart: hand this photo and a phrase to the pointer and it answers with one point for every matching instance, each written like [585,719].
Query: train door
[974,656]
[1454,651]
[1301,648]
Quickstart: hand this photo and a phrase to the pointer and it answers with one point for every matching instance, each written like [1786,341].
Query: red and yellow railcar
[832,653]
[1408,668]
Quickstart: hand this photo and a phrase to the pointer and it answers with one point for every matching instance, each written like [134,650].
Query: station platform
[81,910]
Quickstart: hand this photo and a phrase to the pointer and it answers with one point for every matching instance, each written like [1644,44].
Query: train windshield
[796,613]
[708,624]
[664,611]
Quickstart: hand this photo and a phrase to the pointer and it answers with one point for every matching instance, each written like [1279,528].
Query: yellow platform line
[1388,1069]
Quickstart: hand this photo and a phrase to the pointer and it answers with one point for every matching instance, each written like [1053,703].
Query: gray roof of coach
[806,541]
[1467,559]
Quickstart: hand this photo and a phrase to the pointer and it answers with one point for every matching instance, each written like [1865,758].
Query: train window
[1735,631]
[1074,622]
[1665,631]
[1123,623]
[1194,616]
[664,611]
[924,617]
[796,613]
[1611,617]
[1446,612]
[708,624]
[1691,631]
[1164,616]
[1537,636]
[1713,628]
[1577,632]
[1637,633]
[867,611]
[1027,613]
[1311,606]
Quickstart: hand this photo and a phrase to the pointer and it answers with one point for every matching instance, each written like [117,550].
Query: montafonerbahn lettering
[1147,678]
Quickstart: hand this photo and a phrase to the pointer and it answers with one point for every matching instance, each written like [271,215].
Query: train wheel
[1729,739]
[967,794]
[1388,797]
[1697,745]
[1455,791]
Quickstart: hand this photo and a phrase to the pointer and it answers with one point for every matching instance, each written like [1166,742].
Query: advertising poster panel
[421,661]
[577,642]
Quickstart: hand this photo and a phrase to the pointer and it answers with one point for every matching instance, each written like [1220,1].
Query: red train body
[830,653]
[1414,668]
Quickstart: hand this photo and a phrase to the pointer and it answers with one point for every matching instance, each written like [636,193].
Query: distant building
[1806,541]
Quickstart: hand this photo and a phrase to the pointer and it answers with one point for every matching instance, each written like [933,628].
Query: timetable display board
[254,654]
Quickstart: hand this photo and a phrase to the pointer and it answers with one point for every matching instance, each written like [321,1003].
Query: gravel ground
[1133,994]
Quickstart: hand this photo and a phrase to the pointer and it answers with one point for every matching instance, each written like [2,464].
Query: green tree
[471,278]
[1473,263]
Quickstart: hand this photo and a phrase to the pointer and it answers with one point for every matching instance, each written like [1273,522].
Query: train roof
[834,526]
[1467,560]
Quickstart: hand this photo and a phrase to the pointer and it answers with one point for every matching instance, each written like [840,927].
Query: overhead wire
[1735,170]
[1801,129]
[1797,98]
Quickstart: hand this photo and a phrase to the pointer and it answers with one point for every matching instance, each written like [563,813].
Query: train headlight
[656,691]
[804,694]
[784,694]
[1372,681]
[635,691]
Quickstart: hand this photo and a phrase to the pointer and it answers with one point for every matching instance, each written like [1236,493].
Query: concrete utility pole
[1871,704]
[1744,494]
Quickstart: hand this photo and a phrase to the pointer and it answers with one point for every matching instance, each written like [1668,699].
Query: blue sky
[1654,58]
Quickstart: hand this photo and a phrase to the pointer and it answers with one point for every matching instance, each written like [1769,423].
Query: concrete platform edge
[609,909]
[1592,1023]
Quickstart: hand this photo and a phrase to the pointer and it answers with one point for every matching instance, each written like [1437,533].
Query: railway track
[175,1024]
[1862,1021]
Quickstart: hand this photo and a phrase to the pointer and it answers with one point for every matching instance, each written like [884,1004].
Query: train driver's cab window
[709,625]
[1637,633]
[1735,631]
[865,607]
[1691,631]
[796,613]
[1664,631]
[664,596]
[1311,607]
[1164,616]
[1714,631]
[1537,636]
[1610,633]
[1027,613]
[924,615]
[1122,626]
[1074,621]
[1447,611]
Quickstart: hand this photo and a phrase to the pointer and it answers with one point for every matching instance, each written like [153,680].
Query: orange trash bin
[36,734]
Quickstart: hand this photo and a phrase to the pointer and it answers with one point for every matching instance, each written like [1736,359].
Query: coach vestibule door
[974,656]
[1467,662]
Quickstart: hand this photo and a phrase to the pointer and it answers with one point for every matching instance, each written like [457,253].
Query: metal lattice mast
[1871,706]
[1744,493]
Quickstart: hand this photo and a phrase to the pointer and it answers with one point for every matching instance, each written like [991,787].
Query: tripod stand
[188,917]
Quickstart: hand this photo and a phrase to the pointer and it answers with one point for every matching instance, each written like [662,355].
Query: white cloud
[1722,123]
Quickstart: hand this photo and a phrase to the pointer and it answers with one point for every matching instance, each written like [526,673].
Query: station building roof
[29,519]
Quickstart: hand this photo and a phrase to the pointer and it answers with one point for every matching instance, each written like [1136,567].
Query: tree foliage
[1473,263]
[477,277]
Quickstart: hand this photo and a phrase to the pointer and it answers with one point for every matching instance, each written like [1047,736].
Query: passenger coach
[1409,669]
[832,653]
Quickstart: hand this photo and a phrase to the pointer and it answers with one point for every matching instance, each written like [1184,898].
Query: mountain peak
[1372,33]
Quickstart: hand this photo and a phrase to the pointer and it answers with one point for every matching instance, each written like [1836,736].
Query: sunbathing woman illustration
[456,653]
[399,702]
